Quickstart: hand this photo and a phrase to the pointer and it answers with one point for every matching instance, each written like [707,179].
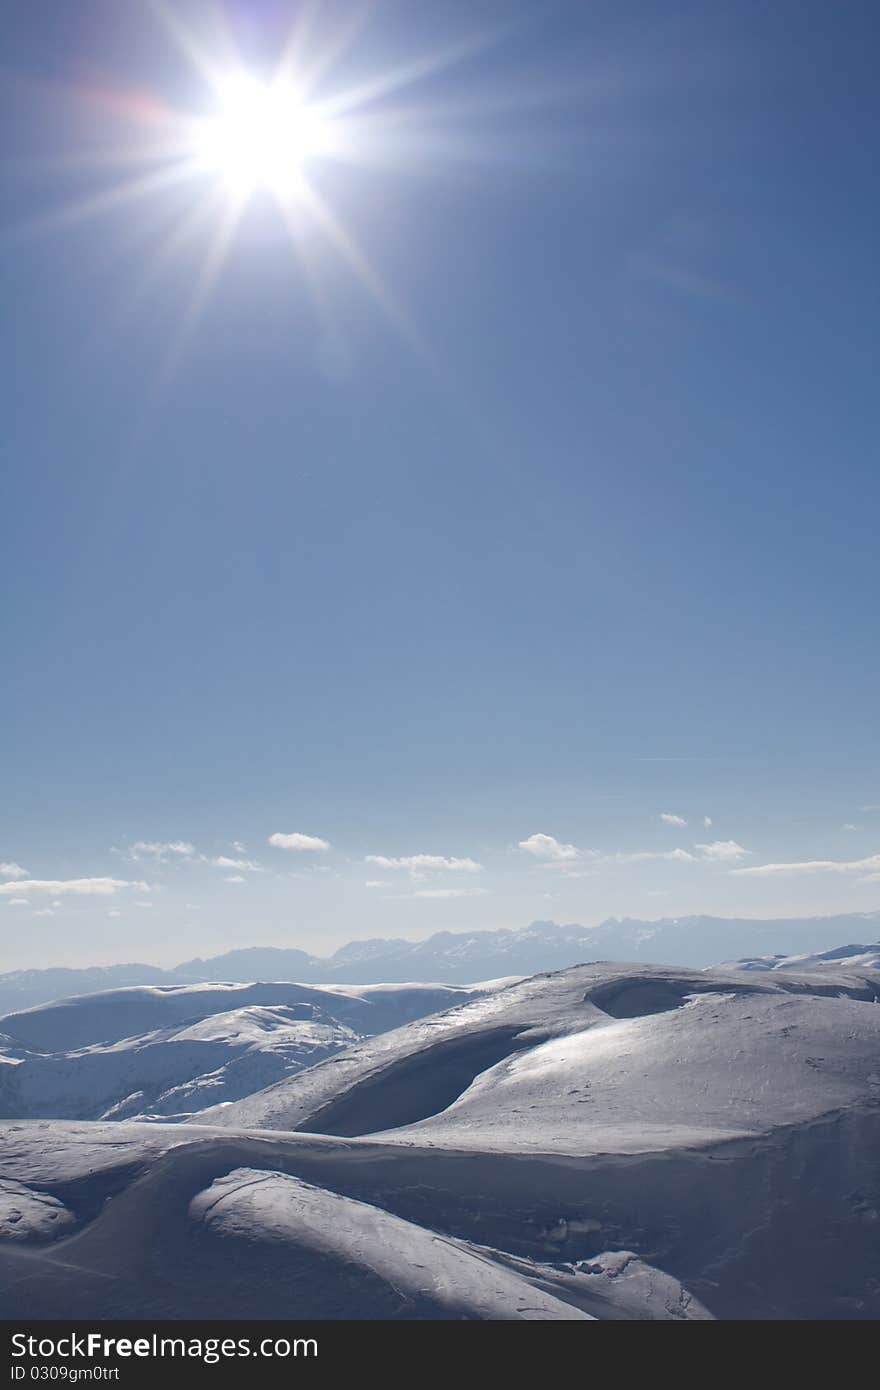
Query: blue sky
[516,479]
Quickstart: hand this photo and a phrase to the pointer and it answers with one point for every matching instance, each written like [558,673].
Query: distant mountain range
[466,957]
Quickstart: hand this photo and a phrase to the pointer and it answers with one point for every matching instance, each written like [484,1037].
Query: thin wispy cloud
[235,878]
[813,866]
[670,818]
[223,861]
[563,857]
[161,850]
[425,863]
[449,893]
[18,902]
[72,887]
[298,842]
[641,856]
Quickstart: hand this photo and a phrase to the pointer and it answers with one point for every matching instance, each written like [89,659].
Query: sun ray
[385,83]
[307,69]
[151,270]
[369,278]
[109,199]
[211,58]
[202,290]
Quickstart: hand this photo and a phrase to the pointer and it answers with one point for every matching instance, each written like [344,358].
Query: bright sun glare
[259,133]
[261,136]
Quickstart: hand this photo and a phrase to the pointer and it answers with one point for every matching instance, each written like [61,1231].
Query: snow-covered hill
[173,1050]
[169,1221]
[561,1059]
[606,1141]
[840,958]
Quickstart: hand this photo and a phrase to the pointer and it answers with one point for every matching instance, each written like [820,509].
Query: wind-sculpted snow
[559,1059]
[86,1058]
[349,1259]
[607,1142]
[224,1226]
[27,1215]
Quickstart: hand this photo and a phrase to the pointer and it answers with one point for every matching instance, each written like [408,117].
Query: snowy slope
[83,1058]
[560,1058]
[124,1013]
[840,958]
[170,1222]
[609,1141]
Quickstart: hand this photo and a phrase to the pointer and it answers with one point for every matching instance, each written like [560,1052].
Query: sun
[261,137]
[290,131]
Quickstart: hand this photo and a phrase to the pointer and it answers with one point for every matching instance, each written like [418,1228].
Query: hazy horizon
[167,958]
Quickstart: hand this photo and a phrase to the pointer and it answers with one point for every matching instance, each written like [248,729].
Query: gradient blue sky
[558,520]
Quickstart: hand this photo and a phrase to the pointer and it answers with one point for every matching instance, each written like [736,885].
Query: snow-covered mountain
[172,1050]
[462,957]
[839,958]
[611,1141]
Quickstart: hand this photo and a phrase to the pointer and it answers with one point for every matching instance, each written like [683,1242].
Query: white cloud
[297,841]
[848,825]
[44,912]
[72,887]
[718,851]
[12,870]
[669,818]
[814,866]
[238,847]
[707,822]
[18,902]
[377,883]
[245,865]
[548,847]
[450,893]
[426,863]
[114,912]
[235,878]
[642,856]
[161,850]
[722,850]
[140,904]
